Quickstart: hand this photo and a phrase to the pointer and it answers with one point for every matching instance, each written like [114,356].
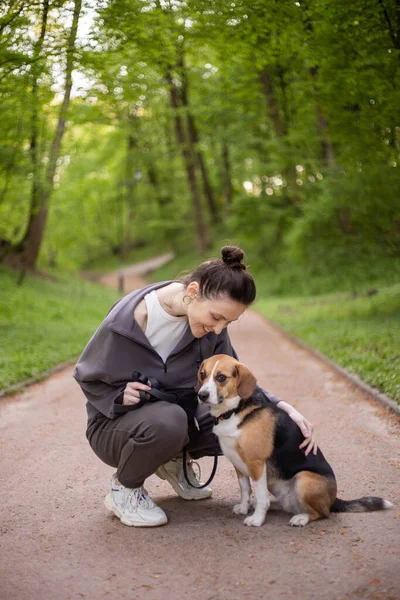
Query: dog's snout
[204,395]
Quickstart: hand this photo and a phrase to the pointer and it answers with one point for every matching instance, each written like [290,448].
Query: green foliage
[45,322]
[299,101]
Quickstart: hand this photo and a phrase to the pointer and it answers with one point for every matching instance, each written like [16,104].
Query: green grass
[360,333]
[181,265]
[45,322]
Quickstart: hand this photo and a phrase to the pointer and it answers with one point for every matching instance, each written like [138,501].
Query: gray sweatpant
[141,440]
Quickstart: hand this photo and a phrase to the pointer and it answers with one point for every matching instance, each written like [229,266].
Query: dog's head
[223,382]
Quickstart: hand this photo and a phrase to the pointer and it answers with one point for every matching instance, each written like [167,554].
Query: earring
[186,299]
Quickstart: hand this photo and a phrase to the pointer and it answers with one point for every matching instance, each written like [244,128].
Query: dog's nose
[204,395]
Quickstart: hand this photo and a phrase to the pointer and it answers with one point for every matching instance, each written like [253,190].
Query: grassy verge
[180,266]
[46,322]
[359,331]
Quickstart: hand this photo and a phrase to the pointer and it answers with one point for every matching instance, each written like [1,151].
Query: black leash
[214,469]
[157,393]
[209,480]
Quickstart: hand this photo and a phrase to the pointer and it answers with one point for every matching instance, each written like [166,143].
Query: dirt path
[131,275]
[58,542]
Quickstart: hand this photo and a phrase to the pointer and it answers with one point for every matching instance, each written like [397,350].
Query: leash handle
[154,393]
[209,480]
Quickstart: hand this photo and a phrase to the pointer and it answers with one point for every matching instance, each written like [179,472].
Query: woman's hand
[131,393]
[306,428]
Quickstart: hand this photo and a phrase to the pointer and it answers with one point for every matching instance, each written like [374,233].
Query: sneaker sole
[114,509]
[162,474]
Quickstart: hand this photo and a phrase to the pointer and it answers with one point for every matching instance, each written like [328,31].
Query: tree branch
[393,35]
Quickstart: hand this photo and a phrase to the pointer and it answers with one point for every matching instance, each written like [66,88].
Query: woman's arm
[306,428]
[224,346]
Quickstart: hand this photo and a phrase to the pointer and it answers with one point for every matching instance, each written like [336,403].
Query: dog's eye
[202,375]
[221,378]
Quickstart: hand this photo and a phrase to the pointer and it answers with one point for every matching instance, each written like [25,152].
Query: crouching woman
[164,331]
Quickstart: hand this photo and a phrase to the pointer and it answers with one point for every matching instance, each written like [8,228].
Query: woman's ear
[247,381]
[199,382]
[192,289]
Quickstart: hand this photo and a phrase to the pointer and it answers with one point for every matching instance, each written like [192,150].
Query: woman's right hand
[131,393]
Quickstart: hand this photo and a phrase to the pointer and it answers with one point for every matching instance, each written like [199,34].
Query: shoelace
[141,497]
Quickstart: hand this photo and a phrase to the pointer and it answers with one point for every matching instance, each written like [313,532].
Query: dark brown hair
[226,276]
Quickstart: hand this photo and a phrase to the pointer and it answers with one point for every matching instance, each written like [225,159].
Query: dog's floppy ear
[199,383]
[247,381]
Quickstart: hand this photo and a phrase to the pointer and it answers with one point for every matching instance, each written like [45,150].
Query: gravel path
[58,542]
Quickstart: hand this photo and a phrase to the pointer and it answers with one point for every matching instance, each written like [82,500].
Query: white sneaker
[172,471]
[133,506]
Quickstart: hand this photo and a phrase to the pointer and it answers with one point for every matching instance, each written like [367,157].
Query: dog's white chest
[228,434]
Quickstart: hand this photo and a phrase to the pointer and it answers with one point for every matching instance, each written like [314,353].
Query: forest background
[132,127]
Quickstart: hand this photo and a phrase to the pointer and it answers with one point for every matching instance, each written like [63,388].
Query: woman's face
[207,315]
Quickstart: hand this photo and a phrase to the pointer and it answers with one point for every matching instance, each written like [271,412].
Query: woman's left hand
[307,429]
[305,426]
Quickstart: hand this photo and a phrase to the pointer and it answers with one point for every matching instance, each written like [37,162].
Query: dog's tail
[366,504]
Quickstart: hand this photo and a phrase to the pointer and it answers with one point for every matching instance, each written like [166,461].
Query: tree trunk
[345,221]
[208,191]
[226,177]
[189,161]
[394,28]
[397,41]
[272,103]
[162,195]
[8,169]
[327,154]
[194,141]
[281,127]
[16,255]
[130,181]
[41,193]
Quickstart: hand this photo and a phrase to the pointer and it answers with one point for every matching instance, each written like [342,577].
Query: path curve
[58,542]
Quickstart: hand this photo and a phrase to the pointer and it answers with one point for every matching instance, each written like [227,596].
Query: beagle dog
[262,442]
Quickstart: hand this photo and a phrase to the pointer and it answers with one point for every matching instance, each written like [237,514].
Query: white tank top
[162,330]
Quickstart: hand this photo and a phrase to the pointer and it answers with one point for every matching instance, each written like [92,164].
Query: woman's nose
[218,329]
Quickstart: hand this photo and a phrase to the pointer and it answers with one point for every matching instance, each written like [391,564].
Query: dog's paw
[240,509]
[299,520]
[254,521]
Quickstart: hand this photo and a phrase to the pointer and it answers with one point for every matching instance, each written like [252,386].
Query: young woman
[164,331]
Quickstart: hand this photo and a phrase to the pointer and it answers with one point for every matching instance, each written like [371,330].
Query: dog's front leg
[258,473]
[245,492]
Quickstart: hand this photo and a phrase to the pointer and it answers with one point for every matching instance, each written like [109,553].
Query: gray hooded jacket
[120,347]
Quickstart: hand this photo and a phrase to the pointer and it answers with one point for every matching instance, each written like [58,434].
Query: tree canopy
[273,123]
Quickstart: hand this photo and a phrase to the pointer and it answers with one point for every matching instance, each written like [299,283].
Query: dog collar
[241,406]
[227,415]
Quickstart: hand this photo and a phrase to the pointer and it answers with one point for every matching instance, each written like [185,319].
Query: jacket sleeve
[224,346]
[103,371]
[105,398]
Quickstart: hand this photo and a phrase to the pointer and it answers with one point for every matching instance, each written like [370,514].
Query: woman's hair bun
[224,277]
[233,256]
